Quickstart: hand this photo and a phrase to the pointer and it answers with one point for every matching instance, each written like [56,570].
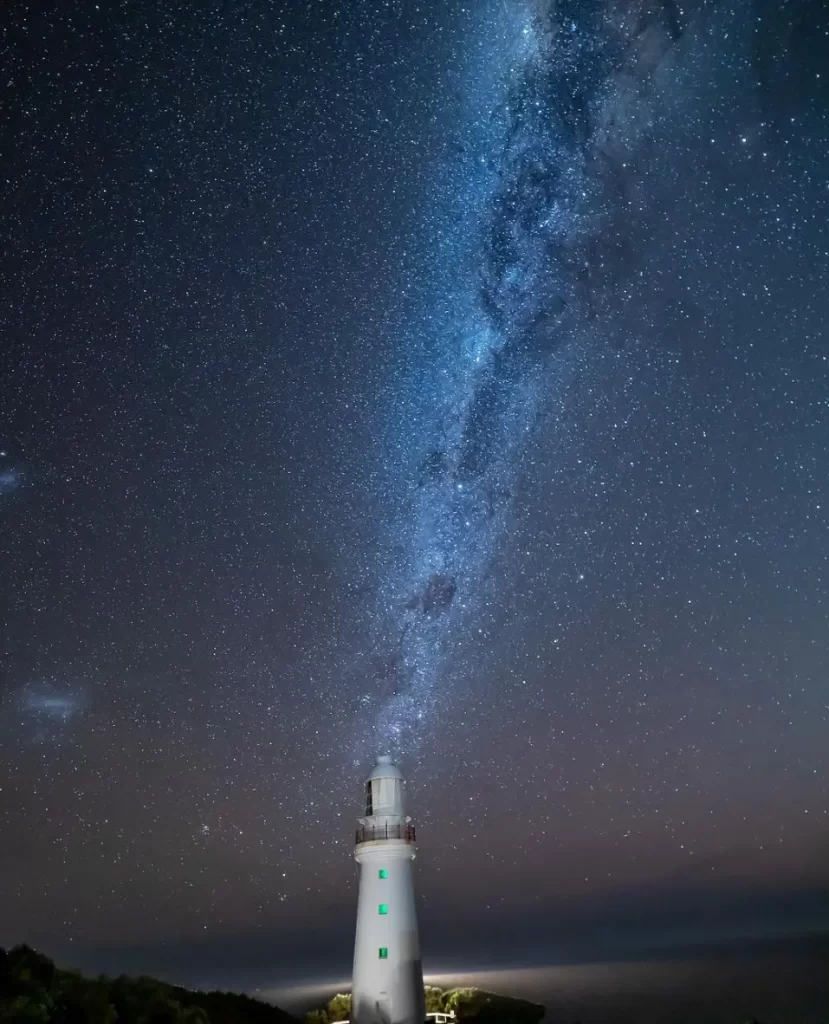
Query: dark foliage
[468,1004]
[34,991]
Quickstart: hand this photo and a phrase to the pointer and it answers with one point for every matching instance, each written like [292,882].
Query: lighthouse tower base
[388,975]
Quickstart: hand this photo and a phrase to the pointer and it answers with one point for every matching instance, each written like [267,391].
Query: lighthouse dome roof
[385,768]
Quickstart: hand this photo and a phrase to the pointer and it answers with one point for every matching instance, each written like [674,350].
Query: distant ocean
[785,983]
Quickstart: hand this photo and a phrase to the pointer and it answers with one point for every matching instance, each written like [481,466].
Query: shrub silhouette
[469,1004]
[34,991]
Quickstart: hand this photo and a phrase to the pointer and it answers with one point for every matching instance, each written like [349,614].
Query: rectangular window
[384,953]
[383,909]
[382,873]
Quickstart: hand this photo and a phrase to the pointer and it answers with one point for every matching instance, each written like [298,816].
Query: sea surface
[788,984]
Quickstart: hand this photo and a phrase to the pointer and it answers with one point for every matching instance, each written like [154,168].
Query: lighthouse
[387,986]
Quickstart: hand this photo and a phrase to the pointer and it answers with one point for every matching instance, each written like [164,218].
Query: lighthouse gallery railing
[369,833]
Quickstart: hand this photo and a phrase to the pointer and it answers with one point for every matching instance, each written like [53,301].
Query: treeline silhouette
[34,991]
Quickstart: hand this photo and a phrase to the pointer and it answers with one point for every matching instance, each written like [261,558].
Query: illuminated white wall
[387,985]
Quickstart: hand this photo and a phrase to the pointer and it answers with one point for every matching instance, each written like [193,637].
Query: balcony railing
[371,833]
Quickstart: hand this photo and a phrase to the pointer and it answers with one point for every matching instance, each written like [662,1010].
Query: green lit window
[384,953]
[382,873]
[383,909]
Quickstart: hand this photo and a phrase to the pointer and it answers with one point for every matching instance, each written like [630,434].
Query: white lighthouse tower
[387,987]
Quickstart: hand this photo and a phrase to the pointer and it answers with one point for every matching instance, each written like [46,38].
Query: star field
[445,379]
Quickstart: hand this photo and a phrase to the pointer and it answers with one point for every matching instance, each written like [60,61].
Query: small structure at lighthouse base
[387,986]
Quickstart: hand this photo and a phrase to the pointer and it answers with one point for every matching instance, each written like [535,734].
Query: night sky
[442,379]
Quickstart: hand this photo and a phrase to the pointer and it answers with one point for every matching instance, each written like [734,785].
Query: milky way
[536,240]
[448,379]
